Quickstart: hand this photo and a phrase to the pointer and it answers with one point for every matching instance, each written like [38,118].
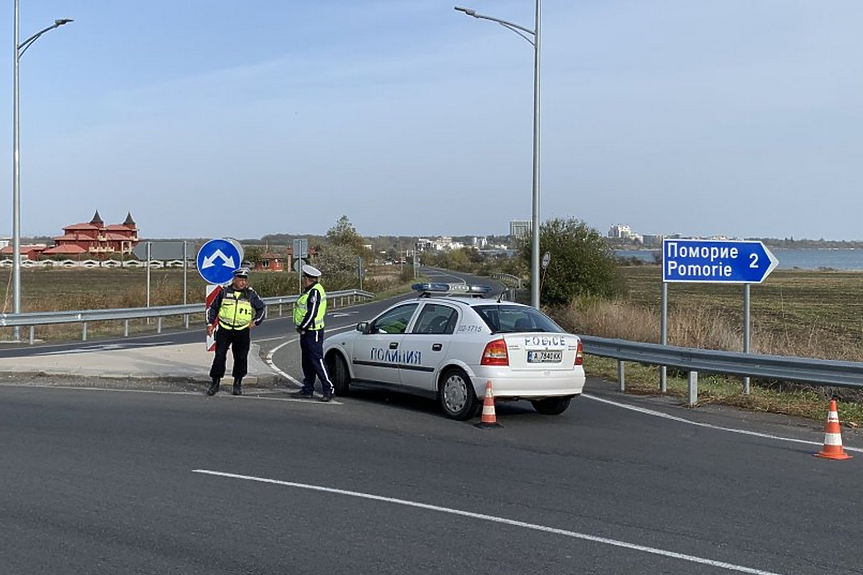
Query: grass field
[799,313]
[793,301]
[794,312]
[63,289]
[95,288]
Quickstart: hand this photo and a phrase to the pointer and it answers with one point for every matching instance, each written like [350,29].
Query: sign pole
[746,332]
[148,278]
[185,280]
[663,334]
[300,249]
[212,291]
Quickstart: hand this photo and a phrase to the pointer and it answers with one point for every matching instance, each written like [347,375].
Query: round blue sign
[217,260]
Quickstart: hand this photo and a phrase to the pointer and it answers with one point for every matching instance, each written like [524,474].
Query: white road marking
[708,425]
[98,348]
[274,367]
[269,361]
[501,520]
[257,395]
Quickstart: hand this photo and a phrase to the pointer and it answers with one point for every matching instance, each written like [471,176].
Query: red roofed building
[271,262]
[29,252]
[95,239]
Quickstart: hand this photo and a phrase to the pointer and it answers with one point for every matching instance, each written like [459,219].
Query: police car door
[377,354]
[426,345]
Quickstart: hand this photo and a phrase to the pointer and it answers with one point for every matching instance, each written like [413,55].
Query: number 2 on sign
[754,263]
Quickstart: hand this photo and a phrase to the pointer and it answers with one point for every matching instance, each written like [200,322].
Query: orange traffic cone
[832,436]
[488,419]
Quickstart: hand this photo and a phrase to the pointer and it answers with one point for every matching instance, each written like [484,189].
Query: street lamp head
[62,21]
[467,11]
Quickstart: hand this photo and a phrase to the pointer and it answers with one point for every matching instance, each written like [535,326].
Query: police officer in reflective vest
[236,310]
[309,314]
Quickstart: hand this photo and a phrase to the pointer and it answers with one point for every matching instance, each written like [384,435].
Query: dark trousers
[239,341]
[312,347]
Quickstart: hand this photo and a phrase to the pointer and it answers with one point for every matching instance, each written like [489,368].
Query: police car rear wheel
[551,405]
[339,373]
[457,397]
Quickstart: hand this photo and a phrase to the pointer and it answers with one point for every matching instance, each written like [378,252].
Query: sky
[215,118]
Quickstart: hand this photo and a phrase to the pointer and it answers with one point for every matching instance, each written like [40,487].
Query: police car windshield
[515,319]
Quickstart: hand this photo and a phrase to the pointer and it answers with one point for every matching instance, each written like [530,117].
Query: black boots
[238,386]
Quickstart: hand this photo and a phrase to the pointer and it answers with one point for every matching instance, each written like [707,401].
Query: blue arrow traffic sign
[716,261]
[217,260]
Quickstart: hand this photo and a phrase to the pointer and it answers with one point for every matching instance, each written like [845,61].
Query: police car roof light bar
[442,288]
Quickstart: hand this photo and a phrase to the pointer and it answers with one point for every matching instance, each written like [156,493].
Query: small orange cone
[488,419]
[832,436]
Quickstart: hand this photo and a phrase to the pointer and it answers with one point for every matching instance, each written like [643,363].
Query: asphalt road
[165,480]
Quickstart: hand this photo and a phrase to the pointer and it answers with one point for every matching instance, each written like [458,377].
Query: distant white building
[520,228]
[652,240]
[620,231]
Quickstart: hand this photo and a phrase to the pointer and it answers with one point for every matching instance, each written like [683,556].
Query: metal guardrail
[508,277]
[32,319]
[819,372]
[692,360]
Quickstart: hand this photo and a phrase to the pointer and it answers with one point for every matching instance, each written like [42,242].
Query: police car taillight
[579,354]
[495,353]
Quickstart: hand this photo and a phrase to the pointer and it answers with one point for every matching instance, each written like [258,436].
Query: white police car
[448,347]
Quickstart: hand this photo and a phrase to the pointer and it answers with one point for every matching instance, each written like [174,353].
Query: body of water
[788,259]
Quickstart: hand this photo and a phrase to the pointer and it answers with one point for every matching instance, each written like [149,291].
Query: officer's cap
[311,271]
[241,273]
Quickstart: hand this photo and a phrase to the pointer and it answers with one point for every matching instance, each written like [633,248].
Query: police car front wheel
[457,397]
[339,374]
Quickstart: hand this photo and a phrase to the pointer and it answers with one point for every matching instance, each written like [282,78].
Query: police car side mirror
[363,327]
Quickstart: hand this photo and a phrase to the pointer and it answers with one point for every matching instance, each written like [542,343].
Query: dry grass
[797,313]
[80,289]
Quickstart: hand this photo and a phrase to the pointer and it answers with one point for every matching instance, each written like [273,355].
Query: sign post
[213,292]
[546,259]
[713,261]
[217,259]
[185,280]
[300,250]
[149,248]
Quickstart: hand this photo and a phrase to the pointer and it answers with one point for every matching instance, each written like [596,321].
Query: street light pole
[527,34]
[19,48]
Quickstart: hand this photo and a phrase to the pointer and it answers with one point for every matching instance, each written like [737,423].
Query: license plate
[544,356]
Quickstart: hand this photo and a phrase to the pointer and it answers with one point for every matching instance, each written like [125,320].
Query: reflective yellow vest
[301,307]
[236,311]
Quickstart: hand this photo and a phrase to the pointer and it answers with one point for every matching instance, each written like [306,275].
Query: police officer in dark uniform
[309,312]
[236,310]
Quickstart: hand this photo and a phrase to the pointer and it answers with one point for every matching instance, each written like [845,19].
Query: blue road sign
[716,261]
[217,260]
